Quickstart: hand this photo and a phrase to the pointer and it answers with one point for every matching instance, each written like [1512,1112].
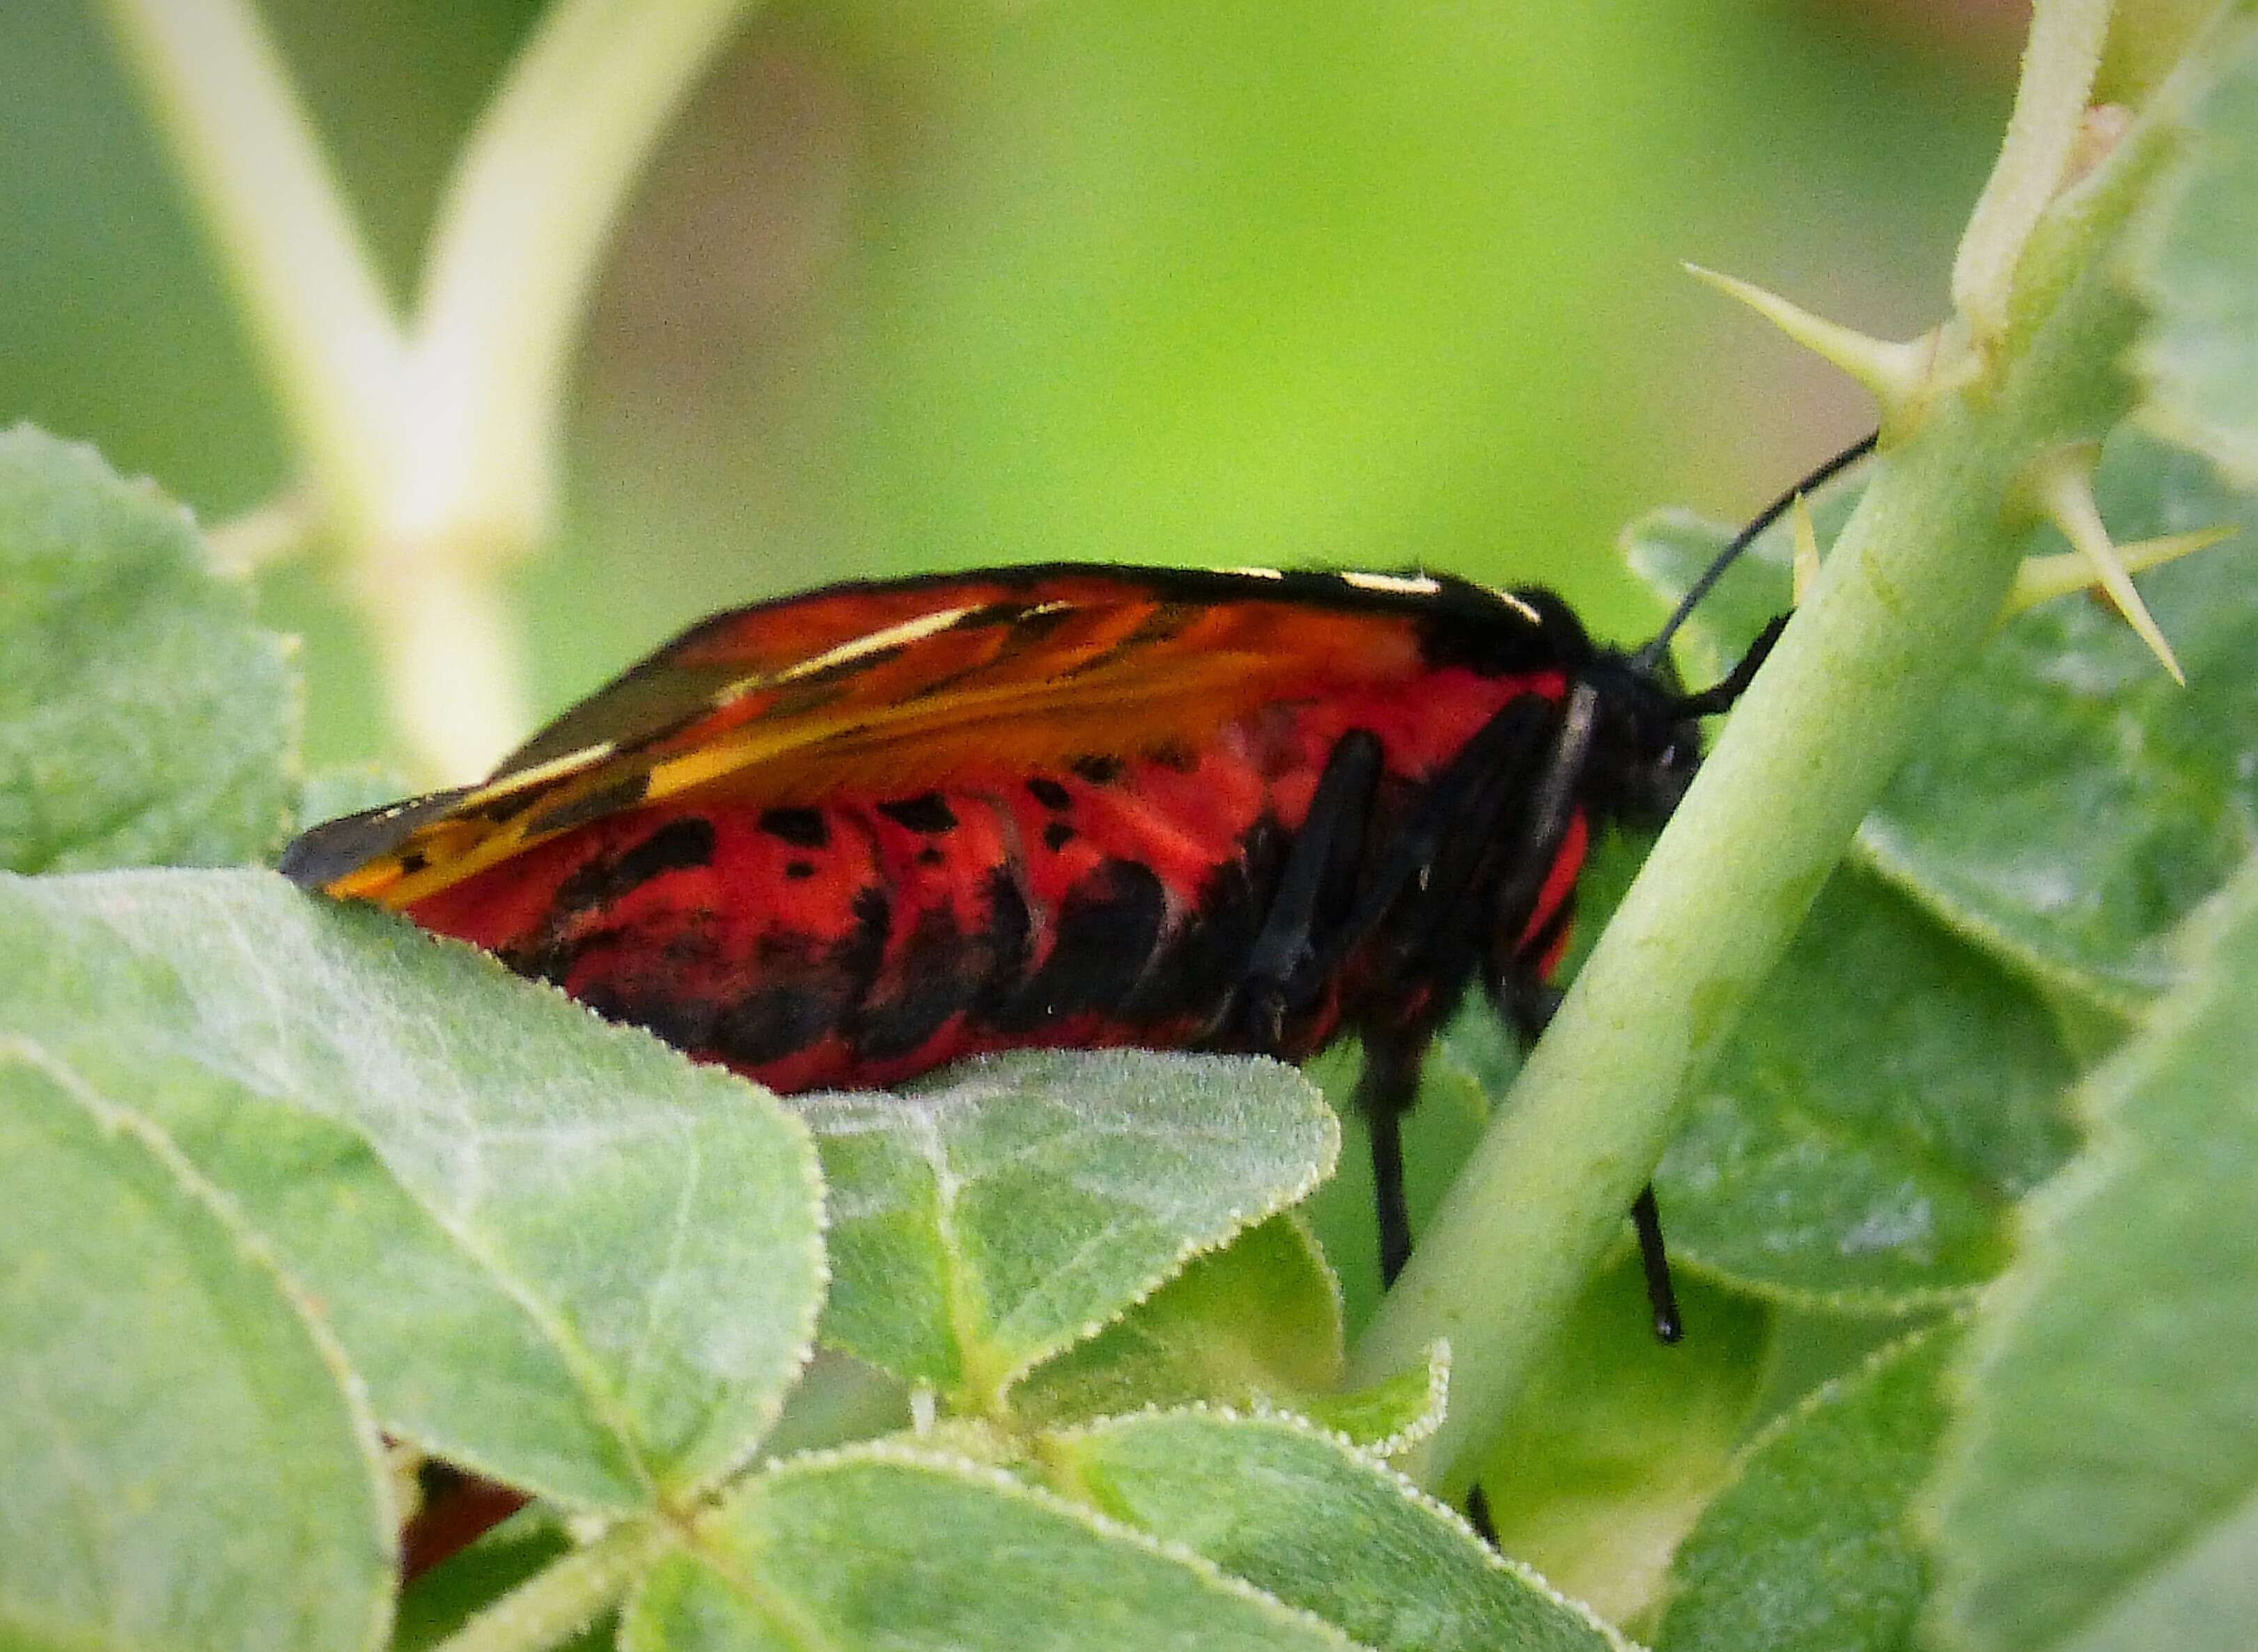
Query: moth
[844,838]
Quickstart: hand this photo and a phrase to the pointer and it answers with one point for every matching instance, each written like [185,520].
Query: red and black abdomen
[862,940]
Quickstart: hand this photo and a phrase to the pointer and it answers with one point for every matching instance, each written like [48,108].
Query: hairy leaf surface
[2101,1491]
[144,719]
[987,1220]
[559,1252]
[184,1463]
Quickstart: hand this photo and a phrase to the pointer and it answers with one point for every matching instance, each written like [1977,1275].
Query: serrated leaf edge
[1388,1446]
[1306,1236]
[1859,1301]
[604,1408]
[1819,1399]
[1287,1422]
[1237,1221]
[968,1470]
[282,646]
[2108,1146]
[764,1417]
[2125,999]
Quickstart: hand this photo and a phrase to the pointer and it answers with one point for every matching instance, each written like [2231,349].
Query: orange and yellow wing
[896,687]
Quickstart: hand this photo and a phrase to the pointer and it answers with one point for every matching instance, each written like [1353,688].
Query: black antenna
[1646,658]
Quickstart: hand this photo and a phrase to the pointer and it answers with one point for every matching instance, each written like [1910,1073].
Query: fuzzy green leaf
[2200,355]
[881,1547]
[2098,1492]
[983,1223]
[1809,1549]
[1320,1527]
[1618,1442]
[559,1252]
[183,1461]
[1392,1416]
[144,719]
[1258,1321]
[2073,804]
[1889,1095]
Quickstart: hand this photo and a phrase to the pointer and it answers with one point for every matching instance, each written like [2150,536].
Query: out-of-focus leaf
[983,1223]
[2070,803]
[559,1253]
[184,1462]
[882,1547]
[1887,1096]
[2200,353]
[1809,1550]
[1618,1442]
[837,1399]
[1320,1527]
[144,719]
[2097,1491]
[1258,1321]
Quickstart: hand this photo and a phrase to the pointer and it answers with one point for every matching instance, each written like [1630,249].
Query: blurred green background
[922,283]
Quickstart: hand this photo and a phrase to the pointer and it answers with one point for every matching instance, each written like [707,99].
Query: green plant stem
[526,219]
[2059,65]
[433,449]
[1913,584]
[565,1597]
[281,230]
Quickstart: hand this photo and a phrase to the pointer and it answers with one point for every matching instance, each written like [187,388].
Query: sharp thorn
[2062,486]
[2043,578]
[1807,549]
[1894,372]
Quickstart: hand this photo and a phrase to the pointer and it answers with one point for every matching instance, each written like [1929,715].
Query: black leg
[1646,1218]
[1323,856]
[1384,1094]
[1416,895]
[1478,1516]
[1459,809]
[1720,696]
[1530,1004]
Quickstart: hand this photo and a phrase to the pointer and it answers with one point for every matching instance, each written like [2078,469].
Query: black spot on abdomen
[1106,930]
[806,993]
